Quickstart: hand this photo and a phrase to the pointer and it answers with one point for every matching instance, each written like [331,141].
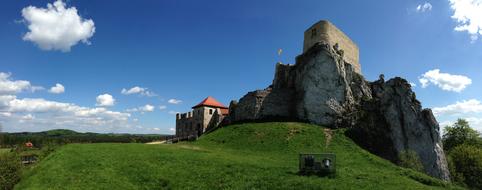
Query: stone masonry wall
[326,32]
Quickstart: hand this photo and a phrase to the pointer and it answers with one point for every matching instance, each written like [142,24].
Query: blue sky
[178,52]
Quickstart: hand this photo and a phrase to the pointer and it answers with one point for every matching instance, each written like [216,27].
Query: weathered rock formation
[323,88]
[393,121]
[320,88]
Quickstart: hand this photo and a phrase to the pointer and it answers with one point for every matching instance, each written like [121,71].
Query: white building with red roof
[208,114]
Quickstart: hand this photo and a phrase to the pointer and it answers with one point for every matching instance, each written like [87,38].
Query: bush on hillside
[466,165]
[410,159]
[10,167]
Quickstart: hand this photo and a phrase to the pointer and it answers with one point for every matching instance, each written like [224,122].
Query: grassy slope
[248,156]
[4,150]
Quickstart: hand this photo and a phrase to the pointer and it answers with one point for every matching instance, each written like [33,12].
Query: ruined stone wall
[197,121]
[185,124]
[264,105]
[326,32]
[283,76]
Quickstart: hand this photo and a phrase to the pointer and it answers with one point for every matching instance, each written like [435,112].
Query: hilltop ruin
[325,87]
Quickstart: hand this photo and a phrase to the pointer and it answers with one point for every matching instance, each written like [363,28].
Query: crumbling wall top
[325,31]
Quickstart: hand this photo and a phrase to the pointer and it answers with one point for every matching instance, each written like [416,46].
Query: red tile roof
[211,102]
[224,111]
[29,144]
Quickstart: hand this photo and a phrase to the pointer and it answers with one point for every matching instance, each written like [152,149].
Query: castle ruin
[326,87]
[207,114]
[325,31]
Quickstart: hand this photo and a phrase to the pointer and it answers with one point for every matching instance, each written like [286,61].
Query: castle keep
[207,114]
[324,31]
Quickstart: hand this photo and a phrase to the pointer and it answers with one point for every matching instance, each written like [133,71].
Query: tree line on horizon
[58,137]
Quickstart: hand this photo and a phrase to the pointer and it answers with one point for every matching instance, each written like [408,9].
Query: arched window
[210,111]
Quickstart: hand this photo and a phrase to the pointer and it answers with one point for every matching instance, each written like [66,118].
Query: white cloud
[172,129]
[37,114]
[57,89]
[28,117]
[51,114]
[413,84]
[173,112]
[5,114]
[105,100]
[424,7]
[56,27]
[174,101]
[156,129]
[475,122]
[468,15]
[8,86]
[145,108]
[445,81]
[459,108]
[138,90]
[162,107]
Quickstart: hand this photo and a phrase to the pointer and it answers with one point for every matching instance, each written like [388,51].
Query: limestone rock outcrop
[393,121]
[322,88]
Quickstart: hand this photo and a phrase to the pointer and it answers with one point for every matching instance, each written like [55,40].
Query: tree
[459,133]
[466,165]
[463,146]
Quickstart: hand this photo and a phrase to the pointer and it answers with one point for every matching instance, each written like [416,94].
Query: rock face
[322,88]
[394,121]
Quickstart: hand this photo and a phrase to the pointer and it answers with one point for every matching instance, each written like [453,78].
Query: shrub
[459,133]
[466,165]
[410,159]
[10,167]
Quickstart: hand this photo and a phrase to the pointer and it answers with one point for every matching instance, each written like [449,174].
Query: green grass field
[247,156]
[4,150]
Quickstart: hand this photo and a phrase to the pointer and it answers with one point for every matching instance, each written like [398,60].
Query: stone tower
[325,31]
[207,114]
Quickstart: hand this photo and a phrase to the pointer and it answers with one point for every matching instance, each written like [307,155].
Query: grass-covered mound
[245,156]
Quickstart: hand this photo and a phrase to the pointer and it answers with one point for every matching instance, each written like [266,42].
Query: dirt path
[328,136]
[157,142]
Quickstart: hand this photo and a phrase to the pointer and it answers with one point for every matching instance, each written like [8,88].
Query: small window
[210,111]
[313,32]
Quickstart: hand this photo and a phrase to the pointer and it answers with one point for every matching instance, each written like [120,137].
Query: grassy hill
[246,156]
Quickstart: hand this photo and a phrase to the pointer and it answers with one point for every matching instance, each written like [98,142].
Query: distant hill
[245,156]
[59,132]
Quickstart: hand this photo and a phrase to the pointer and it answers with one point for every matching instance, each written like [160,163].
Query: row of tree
[66,136]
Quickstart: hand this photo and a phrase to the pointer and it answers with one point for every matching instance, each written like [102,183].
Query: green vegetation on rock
[245,156]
